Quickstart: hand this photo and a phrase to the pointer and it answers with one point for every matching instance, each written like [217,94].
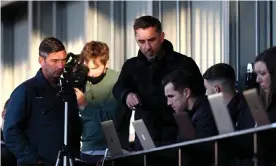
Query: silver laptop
[221,114]
[143,134]
[256,107]
[112,138]
[185,125]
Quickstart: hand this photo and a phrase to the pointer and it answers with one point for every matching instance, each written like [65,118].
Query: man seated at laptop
[183,95]
[221,78]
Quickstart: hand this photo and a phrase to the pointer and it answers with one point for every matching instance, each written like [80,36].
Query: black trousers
[91,159]
[7,157]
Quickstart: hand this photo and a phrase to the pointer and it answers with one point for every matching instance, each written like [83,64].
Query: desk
[142,155]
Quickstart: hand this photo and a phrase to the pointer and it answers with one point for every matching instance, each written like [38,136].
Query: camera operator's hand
[81,99]
[132,100]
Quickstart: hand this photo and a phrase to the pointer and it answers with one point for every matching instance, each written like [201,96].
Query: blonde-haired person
[97,104]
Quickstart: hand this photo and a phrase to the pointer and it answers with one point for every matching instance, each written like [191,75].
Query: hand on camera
[132,100]
[81,99]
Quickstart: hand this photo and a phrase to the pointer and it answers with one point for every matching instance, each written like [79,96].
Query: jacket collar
[41,78]
[167,48]
[196,105]
[234,101]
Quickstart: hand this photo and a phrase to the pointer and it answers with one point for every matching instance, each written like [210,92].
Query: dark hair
[93,50]
[221,72]
[182,79]
[269,58]
[145,22]
[6,104]
[50,45]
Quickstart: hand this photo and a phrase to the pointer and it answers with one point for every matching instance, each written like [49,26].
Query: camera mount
[64,152]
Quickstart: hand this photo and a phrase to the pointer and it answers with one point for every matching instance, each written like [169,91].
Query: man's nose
[258,79]
[147,45]
[61,64]
[169,102]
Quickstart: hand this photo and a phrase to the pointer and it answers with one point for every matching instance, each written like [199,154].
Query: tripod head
[64,91]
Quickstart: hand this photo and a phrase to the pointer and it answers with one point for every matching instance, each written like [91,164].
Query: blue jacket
[34,122]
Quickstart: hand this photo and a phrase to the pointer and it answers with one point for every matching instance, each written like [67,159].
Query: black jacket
[240,113]
[266,140]
[205,126]
[202,118]
[34,122]
[238,150]
[144,78]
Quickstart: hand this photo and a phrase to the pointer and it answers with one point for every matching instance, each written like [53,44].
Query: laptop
[112,138]
[256,107]
[185,125]
[143,134]
[221,113]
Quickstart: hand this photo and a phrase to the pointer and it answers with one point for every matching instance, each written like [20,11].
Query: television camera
[75,73]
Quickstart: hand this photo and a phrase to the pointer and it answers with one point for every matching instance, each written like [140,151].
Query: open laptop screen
[112,138]
[221,113]
[256,107]
[143,134]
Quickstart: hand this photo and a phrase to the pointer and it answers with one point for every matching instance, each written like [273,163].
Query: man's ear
[162,37]
[85,63]
[41,60]
[217,89]
[106,65]
[187,93]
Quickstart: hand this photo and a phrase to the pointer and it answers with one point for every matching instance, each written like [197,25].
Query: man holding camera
[97,104]
[34,121]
